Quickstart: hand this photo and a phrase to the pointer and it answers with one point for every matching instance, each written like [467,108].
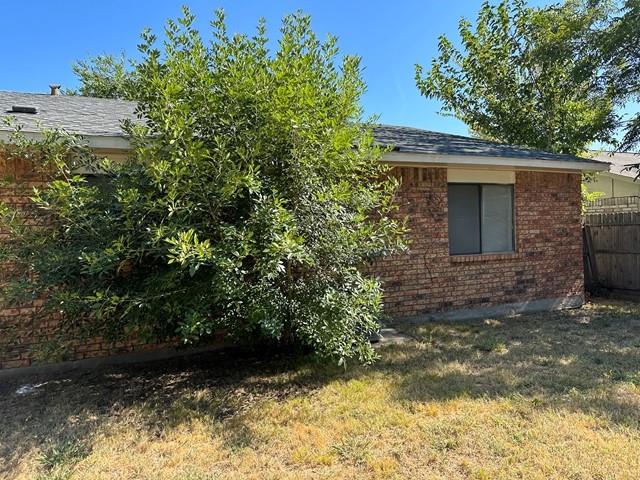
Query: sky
[40,40]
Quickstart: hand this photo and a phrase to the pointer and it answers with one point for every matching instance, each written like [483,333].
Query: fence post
[590,268]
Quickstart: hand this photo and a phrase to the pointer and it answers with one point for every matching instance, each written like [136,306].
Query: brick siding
[27,338]
[547,262]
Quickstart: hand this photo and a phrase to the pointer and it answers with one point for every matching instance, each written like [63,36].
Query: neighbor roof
[101,119]
[619,162]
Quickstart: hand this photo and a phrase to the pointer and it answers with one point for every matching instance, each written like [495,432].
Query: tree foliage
[253,197]
[527,76]
[620,46]
[105,76]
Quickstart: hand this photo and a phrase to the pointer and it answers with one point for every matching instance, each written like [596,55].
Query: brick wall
[547,262]
[25,337]
[16,323]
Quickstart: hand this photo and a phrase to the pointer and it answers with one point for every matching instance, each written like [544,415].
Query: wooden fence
[612,251]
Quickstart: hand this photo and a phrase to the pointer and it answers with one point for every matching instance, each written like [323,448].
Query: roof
[101,120]
[80,115]
[414,140]
[619,161]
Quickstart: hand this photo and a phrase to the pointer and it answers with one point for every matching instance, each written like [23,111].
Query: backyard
[554,395]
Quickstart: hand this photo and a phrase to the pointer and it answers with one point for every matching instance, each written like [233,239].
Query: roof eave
[113,142]
[620,176]
[101,142]
[396,157]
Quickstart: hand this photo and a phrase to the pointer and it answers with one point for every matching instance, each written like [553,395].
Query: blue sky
[40,39]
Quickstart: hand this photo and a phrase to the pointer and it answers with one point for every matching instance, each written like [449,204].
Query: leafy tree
[105,76]
[527,76]
[620,44]
[253,197]
[588,196]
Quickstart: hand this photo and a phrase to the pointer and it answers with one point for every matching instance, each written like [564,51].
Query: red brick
[547,262]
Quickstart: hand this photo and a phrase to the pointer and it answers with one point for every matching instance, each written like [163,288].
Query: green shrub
[252,199]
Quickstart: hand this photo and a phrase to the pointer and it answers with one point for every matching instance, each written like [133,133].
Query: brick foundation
[547,262]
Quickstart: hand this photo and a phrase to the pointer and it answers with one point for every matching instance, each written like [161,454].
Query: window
[480,218]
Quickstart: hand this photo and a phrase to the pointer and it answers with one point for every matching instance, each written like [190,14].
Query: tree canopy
[527,76]
[105,76]
[252,199]
[620,44]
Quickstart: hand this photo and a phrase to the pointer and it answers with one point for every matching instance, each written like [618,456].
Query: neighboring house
[619,181]
[494,228]
[620,192]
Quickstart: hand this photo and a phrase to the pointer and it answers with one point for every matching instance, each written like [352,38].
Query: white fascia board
[122,143]
[108,143]
[104,142]
[508,162]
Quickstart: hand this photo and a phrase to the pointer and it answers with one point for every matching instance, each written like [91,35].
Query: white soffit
[469,175]
[618,177]
[508,163]
[496,162]
[93,141]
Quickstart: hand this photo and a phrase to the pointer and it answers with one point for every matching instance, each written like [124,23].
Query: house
[495,229]
[618,181]
[618,186]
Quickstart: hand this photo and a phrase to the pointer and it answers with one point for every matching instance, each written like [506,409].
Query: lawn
[552,395]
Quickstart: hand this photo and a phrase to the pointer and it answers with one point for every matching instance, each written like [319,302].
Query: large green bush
[252,198]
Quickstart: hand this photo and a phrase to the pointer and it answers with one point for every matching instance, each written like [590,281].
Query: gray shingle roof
[81,115]
[619,162]
[102,117]
[414,140]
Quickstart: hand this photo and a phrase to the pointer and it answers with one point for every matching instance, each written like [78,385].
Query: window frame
[480,222]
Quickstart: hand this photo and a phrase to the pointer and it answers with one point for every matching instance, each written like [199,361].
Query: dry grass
[544,396]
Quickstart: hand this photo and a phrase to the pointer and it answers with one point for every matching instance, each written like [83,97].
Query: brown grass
[540,396]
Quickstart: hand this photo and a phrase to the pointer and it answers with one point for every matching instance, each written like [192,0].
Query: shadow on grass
[67,409]
[574,361]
